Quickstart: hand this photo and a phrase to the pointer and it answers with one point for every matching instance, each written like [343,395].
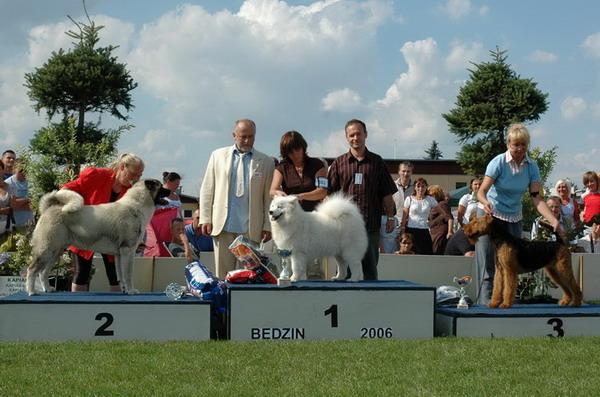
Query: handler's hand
[560,231]
[488,208]
[390,225]
[265,236]
[206,229]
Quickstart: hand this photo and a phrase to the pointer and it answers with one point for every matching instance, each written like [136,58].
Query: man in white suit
[234,197]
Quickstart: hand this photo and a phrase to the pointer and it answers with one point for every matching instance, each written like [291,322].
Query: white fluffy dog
[336,228]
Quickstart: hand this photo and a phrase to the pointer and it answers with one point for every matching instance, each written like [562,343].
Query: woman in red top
[99,186]
[591,200]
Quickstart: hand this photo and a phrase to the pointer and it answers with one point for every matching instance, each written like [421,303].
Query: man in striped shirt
[362,175]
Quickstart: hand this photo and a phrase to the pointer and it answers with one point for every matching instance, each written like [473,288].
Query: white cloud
[344,100]
[17,117]
[572,107]
[543,56]
[591,45]
[462,54]
[457,9]
[537,133]
[332,146]
[587,160]
[408,117]
[410,112]
[595,108]
[249,56]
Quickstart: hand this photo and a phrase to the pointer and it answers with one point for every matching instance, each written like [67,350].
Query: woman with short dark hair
[298,174]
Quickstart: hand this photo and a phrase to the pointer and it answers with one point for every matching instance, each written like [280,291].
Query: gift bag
[258,268]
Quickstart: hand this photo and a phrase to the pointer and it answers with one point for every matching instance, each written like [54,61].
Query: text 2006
[376,333]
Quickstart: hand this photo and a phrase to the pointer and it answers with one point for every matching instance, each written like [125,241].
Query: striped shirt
[366,181]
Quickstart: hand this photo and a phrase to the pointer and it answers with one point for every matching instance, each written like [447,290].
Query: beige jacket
[214,191]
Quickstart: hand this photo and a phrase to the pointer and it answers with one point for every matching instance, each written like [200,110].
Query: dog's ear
[488,218]
[151,184]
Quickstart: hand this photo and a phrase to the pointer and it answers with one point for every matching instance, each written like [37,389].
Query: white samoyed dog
[336,228]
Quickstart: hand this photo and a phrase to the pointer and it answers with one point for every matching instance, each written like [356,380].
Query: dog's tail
[338,205]
[69,200]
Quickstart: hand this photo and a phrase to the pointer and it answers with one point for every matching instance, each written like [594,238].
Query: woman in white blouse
[467,204]
[569,207]
[416,212]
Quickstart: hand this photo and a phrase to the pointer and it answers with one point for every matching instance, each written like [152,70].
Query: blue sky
[311,66]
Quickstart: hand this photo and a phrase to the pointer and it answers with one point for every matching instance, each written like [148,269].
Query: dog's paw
[564,301]
[133,291]
[354,279]
[32,293]
[505,305]
[493,305]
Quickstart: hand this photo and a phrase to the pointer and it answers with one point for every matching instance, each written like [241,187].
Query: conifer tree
[493,98]
[70,84]
[434,152]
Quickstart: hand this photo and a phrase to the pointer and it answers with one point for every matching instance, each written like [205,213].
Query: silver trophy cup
[175,291]
[286,267]
[462,283]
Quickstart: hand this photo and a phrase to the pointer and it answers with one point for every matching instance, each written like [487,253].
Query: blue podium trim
[98,298]
[531,310]
[337,285]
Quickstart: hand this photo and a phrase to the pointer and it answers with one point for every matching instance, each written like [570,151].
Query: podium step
[103,316]
[331,310]
[518,321]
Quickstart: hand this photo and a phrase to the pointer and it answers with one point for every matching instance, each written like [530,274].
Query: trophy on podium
[175,291]
[462,283]
[286,271]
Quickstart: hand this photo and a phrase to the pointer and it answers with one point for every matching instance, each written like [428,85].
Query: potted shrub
[13,268]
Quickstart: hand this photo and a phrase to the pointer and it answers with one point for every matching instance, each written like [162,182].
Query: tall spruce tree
[493,98]
[434,152]
[70,84]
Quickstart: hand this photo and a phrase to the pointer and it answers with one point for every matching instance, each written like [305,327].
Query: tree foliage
[82,79]
[434,152]
[546,160]
[493,98]
[71,83]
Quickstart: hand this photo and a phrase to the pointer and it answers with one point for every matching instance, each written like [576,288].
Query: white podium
[518,321]
[103,316]
[331,310]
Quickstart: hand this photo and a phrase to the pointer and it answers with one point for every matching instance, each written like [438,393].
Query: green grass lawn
[436,367]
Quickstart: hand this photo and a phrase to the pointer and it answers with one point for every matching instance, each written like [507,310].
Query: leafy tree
[70,84]
[493,98]
[546,160]
[434,152]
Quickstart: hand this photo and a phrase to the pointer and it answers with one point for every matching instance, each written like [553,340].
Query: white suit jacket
[214,191]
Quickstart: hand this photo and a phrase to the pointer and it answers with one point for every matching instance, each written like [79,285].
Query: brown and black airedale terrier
[516,255]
